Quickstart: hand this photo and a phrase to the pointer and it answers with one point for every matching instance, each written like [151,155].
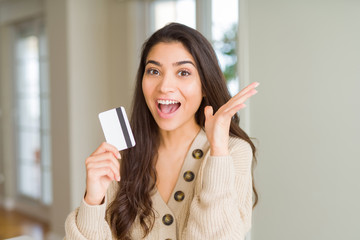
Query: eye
[183,73]
[152,71]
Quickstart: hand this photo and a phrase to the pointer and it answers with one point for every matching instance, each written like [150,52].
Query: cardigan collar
[183,192]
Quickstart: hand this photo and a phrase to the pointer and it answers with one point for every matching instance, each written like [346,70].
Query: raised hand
[217,125]
[102,167]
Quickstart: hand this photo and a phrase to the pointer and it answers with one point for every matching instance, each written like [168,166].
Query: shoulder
[242,154]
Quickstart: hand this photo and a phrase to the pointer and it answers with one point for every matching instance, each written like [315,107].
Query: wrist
[93,202]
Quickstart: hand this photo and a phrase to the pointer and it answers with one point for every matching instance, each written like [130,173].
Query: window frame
[33,206]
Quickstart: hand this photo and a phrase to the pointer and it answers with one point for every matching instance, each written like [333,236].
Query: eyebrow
[174,64]
[153,62]
[183,62]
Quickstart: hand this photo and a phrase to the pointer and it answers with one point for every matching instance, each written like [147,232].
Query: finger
[105,163]
[245,97]
[250,86]
[103,156]
[246,90]
[92,162]
[96,173]
[229,105]
[106,147]
[208,112]
[108,156]
[231,112]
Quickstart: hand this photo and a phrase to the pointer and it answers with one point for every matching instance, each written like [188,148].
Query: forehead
[171,52]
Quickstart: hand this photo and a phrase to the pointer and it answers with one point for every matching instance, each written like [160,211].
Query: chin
[167,126]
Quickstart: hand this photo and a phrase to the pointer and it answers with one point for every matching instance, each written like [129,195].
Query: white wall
[7,185]
[88,83]
[57,33]
[306,55]
[94,48]
[78,42]
[127,32]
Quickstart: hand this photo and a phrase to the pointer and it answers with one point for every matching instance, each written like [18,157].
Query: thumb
[208,111]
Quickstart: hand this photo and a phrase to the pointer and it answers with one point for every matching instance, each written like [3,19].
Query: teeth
[167,102]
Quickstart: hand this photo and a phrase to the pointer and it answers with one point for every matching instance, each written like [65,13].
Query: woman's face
[171,86]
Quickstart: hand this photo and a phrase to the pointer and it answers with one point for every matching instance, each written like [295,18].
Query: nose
[167,83]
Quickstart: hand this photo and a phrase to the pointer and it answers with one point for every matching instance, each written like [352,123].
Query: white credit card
[116,128]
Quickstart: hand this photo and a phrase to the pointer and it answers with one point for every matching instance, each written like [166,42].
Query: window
[224,38]
[32,113]
[166,11]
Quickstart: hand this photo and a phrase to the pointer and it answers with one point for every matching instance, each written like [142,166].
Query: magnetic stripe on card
[123,126]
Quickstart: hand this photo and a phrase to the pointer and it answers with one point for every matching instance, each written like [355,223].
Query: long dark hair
[138,173]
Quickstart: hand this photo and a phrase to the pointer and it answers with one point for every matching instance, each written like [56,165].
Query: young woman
[190,174]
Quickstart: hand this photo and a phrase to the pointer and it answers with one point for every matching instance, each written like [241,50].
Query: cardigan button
[189,176]
[167,219]
[197,153]
[179,196]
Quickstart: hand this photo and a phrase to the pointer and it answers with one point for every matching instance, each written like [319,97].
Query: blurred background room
[64,61]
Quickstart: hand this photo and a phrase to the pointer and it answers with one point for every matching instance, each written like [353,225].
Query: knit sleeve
[222,207]
[88,222]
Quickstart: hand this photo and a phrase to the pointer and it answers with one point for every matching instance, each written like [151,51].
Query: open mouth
[168,106]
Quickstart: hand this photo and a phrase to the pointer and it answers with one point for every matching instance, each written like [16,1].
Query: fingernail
[254,91]
[118,178]
[118,155]
[257,84]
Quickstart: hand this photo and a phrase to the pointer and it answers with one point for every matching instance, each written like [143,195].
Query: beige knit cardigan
[216,204]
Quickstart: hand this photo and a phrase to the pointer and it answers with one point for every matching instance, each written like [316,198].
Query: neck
[178,137]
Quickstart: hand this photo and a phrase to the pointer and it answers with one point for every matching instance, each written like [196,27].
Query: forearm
[222,205]
[215,211]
